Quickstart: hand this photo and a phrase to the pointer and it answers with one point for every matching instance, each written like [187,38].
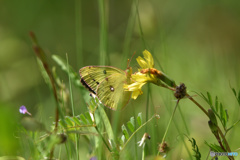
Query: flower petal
[23,109]
[142,62]
[149,59]
[136,93]
[140,77]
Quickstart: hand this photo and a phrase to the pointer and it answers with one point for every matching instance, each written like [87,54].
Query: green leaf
[139,119]
[97,100]
[221,110]
[209,98]
[236,95]
[92,102]
[44,73]
[214,147]
[61,123]
[195,148]
[234,92]
[69,120]
[92,106]
[87,115]
[193,142]
[130,126]
[77,121]
[204,97]
[62,63]
[238,98]
[216,103]
[83,118]
[125,132]
[132,120]
[225,118]
[105,121]
[123,139]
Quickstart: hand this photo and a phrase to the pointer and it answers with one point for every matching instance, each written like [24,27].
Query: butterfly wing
[92,76]
[111,92]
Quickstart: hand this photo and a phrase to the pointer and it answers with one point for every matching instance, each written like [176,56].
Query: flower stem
[171,118]
[104,141]
[219,130]
[143,151]
[138,130]
[204,111]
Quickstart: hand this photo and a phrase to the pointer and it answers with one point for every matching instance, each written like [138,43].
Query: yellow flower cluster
[140,78]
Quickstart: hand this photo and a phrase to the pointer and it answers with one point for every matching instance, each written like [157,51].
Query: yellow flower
[148,62]
[143,76]
[139,80]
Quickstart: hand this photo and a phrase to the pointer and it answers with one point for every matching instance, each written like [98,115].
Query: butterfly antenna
[130,59]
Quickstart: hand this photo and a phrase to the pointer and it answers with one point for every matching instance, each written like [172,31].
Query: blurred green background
[196,42]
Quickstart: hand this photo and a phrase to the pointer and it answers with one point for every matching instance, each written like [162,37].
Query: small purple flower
[93,158]
[24,110]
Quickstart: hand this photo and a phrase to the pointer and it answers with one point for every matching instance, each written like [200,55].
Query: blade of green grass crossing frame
[126,51]
[128,35]
[78,29]
[103,31]
[73,110]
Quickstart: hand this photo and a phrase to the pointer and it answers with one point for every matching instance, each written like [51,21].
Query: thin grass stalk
[102,41]
[41,55]
[137,131]
[140,26]
[169,122]
[153,128]
[72,105]
[126,50]
[183,119]
[147,103]
[128,34]
[143,151]
[78,30]
[182,138]
[103,31]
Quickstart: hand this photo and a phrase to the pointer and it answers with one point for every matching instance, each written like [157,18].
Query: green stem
[140,26]
[73,111]
[225,142]
[137,131]
[42,56]
[204,111]
[103,32]
[184,121]
[219,130]
[147,104]
[78,30]
[143,151]
[182,138]
[128,34]
[103,140]
[164,136]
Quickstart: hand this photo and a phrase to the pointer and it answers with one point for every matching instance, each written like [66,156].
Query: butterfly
[106,83]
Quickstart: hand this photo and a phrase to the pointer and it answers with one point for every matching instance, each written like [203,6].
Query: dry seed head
[180,91]
[163,147]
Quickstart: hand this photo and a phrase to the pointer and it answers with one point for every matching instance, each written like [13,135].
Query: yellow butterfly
[106,83]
